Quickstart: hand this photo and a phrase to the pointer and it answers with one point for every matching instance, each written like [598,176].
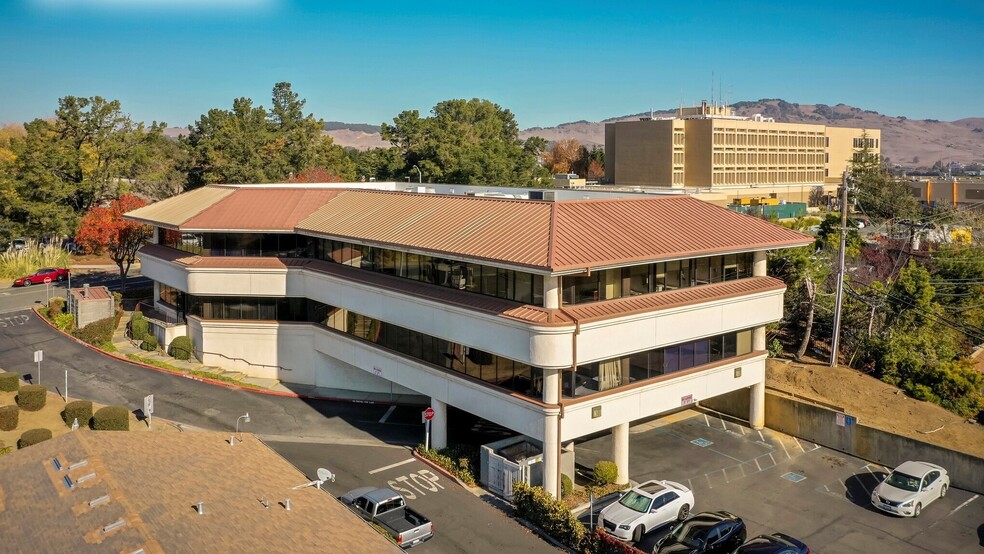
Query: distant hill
[909,142]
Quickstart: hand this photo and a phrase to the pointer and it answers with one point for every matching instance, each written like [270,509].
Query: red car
[53,273]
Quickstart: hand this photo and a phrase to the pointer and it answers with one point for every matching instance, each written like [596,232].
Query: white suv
[646,507]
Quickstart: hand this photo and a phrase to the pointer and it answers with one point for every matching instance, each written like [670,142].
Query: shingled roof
[550,236]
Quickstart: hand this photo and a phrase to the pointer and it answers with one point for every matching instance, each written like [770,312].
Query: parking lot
[778,483]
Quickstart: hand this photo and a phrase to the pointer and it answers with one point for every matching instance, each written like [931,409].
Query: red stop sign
[429,414]
[47,280]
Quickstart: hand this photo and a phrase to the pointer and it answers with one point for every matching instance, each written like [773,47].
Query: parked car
[704,533]
[776,543]
[388,509]
[646,507]
[18,244]
[910,487]
[53,273]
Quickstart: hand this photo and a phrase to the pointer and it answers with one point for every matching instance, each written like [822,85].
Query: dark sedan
[53,273]
[776,543]
[704,533]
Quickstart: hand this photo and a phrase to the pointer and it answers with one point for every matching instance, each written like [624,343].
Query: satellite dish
[325,475]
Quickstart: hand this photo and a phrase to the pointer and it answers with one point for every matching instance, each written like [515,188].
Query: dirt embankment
[877,404]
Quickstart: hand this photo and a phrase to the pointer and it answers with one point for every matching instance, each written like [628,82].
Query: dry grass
[49,417]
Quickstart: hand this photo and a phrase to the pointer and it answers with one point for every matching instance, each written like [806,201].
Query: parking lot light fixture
[245,419]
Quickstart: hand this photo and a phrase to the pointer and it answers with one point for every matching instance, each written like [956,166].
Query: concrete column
[620,451]
[439,424]
[759,267]
[756,405]
[758,338]
[551,456]
[551,386]
[551,292]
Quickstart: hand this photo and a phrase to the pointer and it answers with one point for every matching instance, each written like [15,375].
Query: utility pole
[834,345]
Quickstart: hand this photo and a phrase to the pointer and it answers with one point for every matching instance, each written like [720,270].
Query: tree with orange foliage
[103,229]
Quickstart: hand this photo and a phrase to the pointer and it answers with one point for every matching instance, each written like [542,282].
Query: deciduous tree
[103,229]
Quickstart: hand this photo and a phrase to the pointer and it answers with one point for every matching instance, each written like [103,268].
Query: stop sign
[47,280]
[429,414]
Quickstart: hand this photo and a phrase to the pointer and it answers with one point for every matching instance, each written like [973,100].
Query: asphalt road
[13,299]
[778,483]
[95,376]
[462,522]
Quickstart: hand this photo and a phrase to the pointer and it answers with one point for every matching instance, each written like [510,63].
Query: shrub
[117,300]
[9,417]
[459,460]
[547,513]
[136,316]
[98,332]
[31,398]
[111,418]
[79,409]
[149,343]
[139,328]
[775,348]
[600,542]
[566,485]
[605,472]
[56,306]
[9,381]
[181,348]
[33,436]
[64,322]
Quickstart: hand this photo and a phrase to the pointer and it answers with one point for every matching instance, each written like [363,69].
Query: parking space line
[972,498]
[863,486]
[773,459]
[708,477]
[762,438]
[387,414]
[391,466]
[707,421]
[783,445]
[690,484]
[799,445]
[723,426]
[757,464]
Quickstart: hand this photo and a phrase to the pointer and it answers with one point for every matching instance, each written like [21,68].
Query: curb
[217,382]
[441,470]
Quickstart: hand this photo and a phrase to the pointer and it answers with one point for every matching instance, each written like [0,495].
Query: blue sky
[549,62]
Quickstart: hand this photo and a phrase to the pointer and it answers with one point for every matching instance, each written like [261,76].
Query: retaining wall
[840,431]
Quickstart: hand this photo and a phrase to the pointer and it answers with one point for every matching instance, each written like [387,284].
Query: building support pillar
[759,265]
[620,451]
[439,424]
[756,404]
[551,433]
[551,292]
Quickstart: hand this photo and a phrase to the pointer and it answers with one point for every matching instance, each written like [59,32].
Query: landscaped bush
[149,343]
[605,472]
[566,485]
[460,460]
[78,409]
[111,418]
[552,516]
[9,381]
[31,398]
[33,436]
[600,542]
[98,332]
[9,416]
[56,306]
[181,348]
[64,322]
[139,327]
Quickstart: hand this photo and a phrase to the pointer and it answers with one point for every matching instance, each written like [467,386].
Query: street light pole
[420,176]
[840,274]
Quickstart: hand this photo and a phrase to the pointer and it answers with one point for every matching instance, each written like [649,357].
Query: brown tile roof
[260,209]
[153,481]
[95,293]
[560,236]
[489,304]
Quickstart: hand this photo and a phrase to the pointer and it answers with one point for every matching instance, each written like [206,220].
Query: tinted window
[665,499]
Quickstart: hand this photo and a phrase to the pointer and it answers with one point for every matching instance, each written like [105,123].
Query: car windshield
[903,481]
[691,532]
[635,501]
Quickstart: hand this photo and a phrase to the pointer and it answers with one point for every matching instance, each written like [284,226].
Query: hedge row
[98,332]
[600,542]
[139,327]
[460,460]
[111,418]
[78,409]
[33,436]
[9,381]
[32,398]
[549,514]
[149,343]
[9,417]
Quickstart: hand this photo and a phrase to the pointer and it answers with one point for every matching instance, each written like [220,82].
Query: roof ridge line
[551,237]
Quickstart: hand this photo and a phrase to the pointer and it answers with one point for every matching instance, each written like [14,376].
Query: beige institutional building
[708,147]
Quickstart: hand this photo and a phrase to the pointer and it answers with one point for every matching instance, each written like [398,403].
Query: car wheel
[637,533]
[917,510]
[27,283]
[943,490]
[60,278]
[684,512]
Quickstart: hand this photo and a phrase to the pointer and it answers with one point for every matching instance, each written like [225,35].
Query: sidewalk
[236,379]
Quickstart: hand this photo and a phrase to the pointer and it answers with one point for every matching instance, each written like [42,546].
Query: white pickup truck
[388,509]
